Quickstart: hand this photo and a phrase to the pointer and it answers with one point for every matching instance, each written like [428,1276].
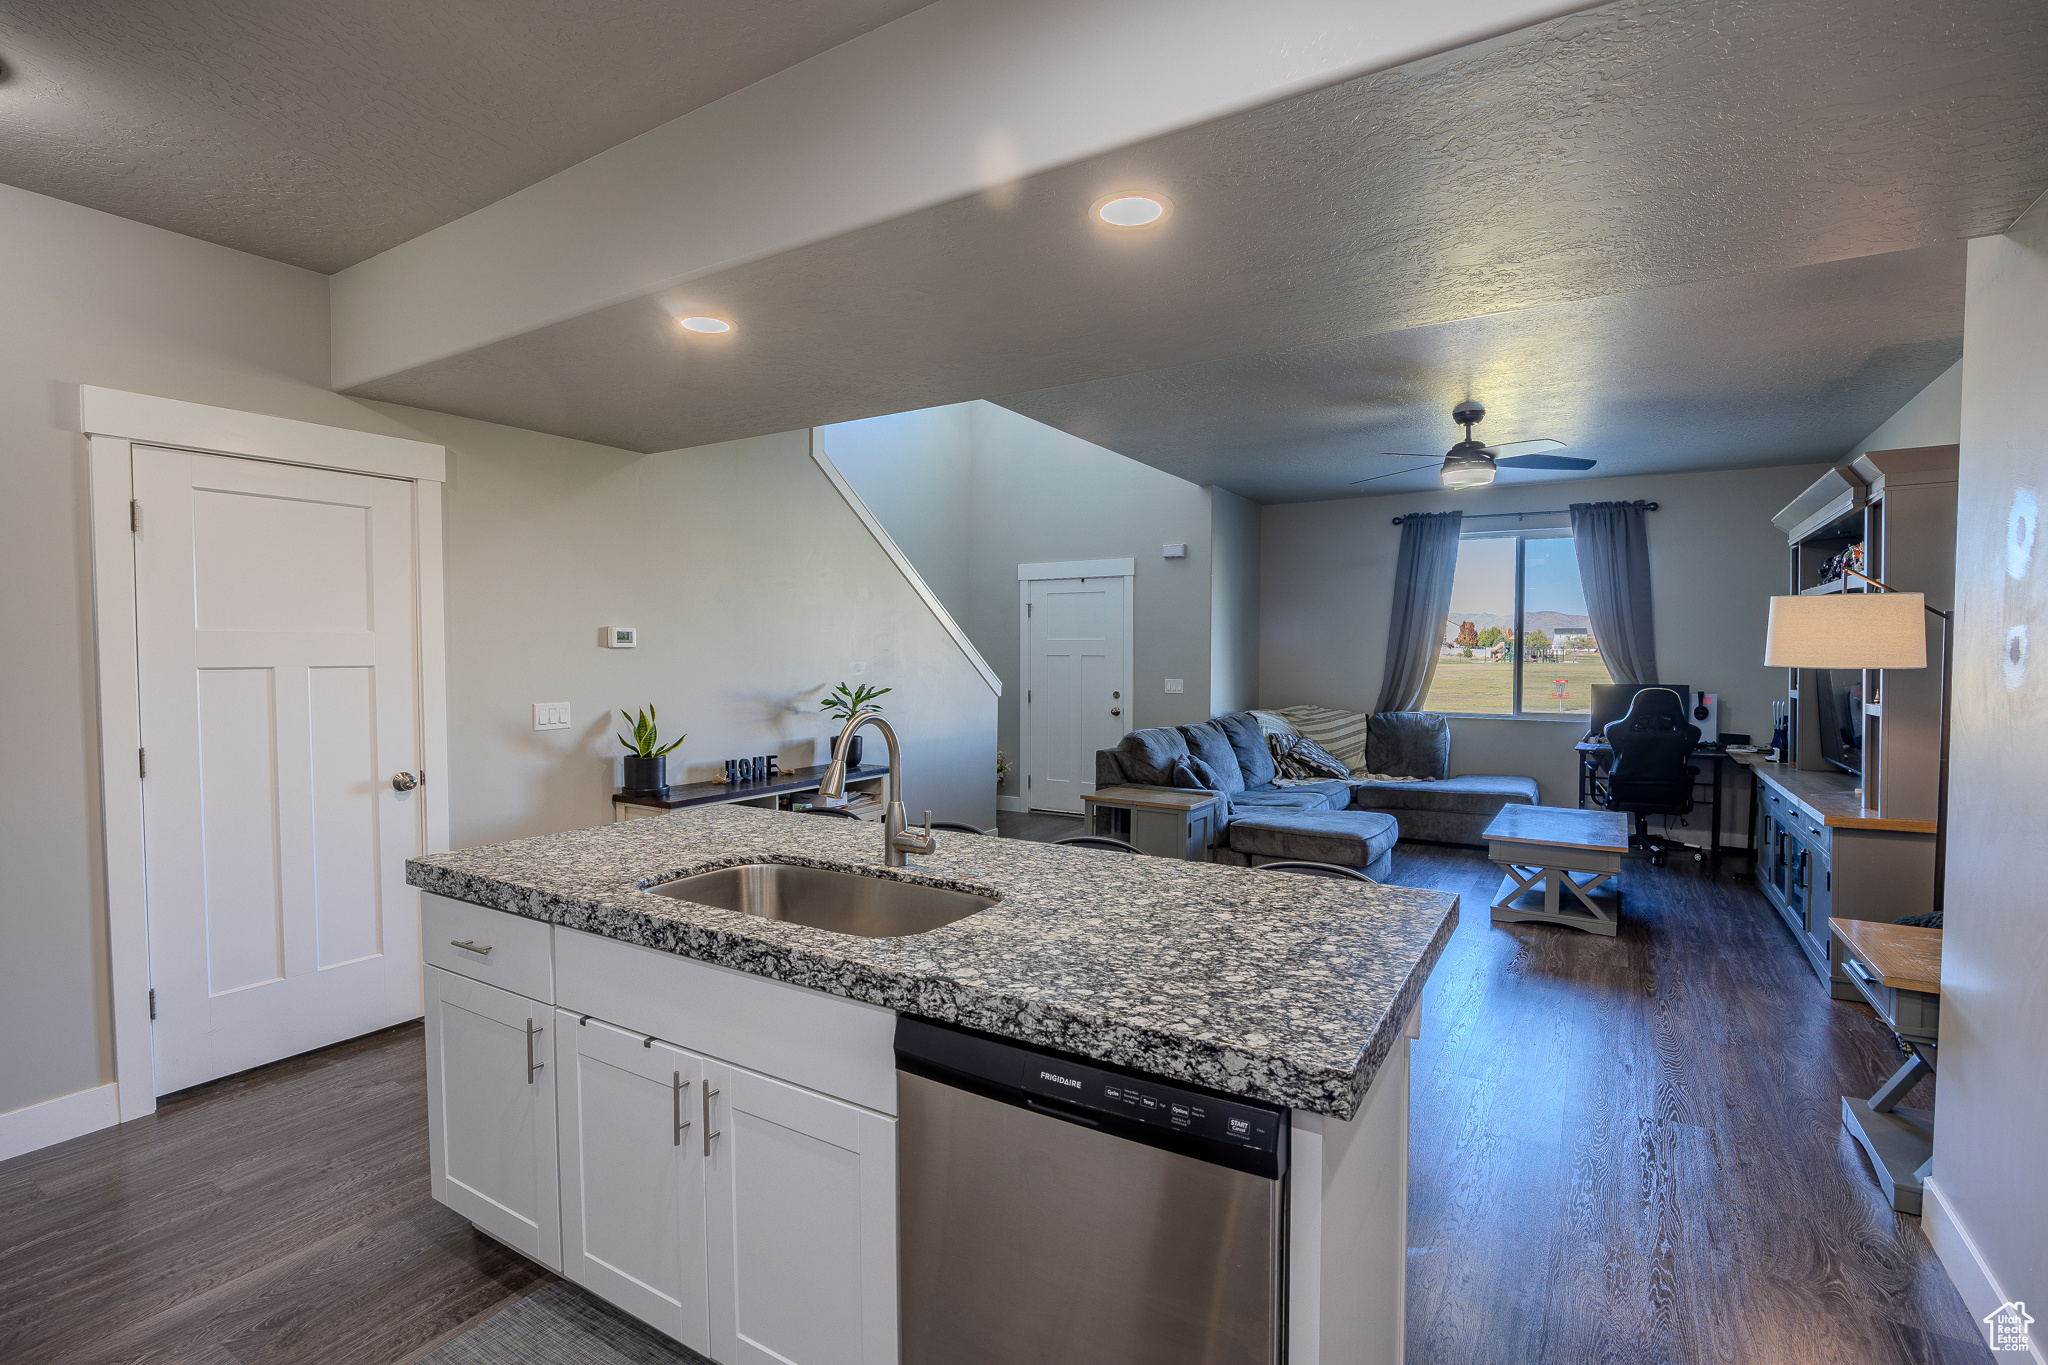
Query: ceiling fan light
[1467,473]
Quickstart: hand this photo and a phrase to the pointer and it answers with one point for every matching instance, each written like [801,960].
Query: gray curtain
[1614,569]
[1422,602]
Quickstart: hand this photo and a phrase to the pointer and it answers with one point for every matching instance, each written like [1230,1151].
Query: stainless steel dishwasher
[1056,1212]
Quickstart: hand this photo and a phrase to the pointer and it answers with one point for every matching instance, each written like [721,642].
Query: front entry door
[1076,684]
[276,625]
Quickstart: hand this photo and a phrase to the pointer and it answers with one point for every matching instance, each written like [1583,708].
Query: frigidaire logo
[1058,1080]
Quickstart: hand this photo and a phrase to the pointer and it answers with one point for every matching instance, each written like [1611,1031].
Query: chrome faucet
[897,837]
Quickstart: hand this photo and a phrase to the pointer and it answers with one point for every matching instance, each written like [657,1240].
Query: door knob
[404,782]
[1116,710]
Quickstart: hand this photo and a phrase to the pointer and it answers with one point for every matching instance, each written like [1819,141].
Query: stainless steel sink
[844,902]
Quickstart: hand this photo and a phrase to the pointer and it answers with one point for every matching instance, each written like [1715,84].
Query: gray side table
[1163,821]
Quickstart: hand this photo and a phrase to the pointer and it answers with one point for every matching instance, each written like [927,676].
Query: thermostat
[621,637]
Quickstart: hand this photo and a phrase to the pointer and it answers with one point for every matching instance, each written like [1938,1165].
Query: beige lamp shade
[1848,630]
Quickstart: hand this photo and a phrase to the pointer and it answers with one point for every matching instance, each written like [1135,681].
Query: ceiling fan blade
[1545,462]
[1404,455]
[1388,475]
[1526,447]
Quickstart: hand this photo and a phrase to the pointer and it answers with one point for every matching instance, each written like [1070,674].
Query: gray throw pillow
[1191,774]
[1409,744]
[1208,743]
[1299,756]
[1147,755]
[1248,742]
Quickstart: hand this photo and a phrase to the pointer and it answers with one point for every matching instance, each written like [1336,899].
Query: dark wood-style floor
[1623,1150]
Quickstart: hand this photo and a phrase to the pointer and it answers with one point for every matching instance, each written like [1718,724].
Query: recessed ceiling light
[703,324]
[1131,210]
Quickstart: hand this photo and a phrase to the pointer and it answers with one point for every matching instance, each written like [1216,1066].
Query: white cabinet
[632,1142]
[491,1112]
[801,1203]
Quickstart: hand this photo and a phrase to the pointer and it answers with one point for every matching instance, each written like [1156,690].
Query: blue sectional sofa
[1352,820]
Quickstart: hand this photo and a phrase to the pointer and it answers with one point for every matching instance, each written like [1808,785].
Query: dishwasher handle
[1061,1111]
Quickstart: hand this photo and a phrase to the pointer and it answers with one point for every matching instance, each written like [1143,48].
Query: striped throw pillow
[1341,733]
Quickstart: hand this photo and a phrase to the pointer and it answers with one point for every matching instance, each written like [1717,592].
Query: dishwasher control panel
[1149,1102]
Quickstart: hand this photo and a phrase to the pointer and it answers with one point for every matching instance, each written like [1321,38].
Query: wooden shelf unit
[1861,846]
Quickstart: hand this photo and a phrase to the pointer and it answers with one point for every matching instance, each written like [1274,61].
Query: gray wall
[738,631]
[1233,602]
[1932,417]
[1993,1109]
[1035,494]
[1326,592]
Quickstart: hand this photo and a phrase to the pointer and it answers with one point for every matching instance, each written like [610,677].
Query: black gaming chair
[1650,775]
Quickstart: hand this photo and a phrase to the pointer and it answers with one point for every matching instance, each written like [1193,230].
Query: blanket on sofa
[1343,733]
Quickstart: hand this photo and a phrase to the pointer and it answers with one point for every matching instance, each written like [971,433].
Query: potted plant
[843,704]
[647,764]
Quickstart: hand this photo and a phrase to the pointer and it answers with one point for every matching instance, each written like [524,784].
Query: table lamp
[1885,628]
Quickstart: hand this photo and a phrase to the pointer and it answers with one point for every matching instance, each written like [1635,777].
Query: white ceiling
[321,132]
[1774,368]
[1558,190]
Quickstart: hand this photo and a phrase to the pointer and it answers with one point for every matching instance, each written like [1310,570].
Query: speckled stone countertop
[1286,989]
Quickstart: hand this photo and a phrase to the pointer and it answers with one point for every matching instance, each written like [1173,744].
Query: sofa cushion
[1469,794]
[1248,741]
[1209,743]
[1298,756]
[1409,744]
[1349,838]
[1147,755]
[1284,798]
[1191,774]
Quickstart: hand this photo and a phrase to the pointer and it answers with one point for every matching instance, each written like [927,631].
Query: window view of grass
[1559,659]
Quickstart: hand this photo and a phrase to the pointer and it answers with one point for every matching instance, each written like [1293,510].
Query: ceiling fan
[1468,464]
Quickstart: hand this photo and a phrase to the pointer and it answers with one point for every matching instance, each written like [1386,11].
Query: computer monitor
[1611,701]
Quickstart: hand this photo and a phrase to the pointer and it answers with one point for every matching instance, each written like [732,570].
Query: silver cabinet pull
[676,1089]
[471,945]
[531,1065]
[709,1131]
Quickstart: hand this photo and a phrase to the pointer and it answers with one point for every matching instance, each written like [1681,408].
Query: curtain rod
[1551,512]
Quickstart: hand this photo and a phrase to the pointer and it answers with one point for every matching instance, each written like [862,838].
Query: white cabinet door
[802,1212]
[491,1112]
[632,1132]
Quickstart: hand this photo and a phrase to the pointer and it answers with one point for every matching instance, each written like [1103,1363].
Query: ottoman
[1363,839]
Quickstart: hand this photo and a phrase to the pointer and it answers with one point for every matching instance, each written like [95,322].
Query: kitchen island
[569,1007]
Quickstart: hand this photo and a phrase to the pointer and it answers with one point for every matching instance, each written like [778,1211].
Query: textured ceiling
[320,132]
[1773,368]
[1634,147]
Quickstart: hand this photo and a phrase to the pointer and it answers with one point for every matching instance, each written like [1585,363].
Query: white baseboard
[54,1121]
[1980,1289]
[1015,803]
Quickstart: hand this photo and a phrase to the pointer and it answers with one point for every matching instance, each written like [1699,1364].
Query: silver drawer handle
[531,1065]
[1855,969]
[470,945]
[676,1089]
[709,1131]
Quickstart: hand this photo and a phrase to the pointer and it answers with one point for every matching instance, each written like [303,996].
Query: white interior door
[276,638]
[1076,691]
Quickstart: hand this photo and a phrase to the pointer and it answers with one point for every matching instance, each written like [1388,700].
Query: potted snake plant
[647,763]
[843,703]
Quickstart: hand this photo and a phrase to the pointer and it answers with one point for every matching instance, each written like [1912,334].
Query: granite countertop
[1287,989]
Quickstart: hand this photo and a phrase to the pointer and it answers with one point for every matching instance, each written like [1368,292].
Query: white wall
[1233,602]
[1034,494]
[753,580]
[1326,593]
[1932,417]
[1989,1220]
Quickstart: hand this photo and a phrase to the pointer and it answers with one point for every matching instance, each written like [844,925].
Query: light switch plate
[551,715]
[1173,551]
[1175,686]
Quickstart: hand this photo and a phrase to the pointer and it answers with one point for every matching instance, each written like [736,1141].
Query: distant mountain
[1549,622]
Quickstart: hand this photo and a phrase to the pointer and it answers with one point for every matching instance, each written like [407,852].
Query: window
[1517,642]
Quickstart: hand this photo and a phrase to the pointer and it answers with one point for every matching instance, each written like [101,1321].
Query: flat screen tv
[1839,705]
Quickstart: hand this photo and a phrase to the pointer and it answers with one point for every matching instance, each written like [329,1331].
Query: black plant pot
[646,776]
[853,752]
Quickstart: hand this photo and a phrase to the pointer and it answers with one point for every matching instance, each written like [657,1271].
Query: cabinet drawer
[519,956]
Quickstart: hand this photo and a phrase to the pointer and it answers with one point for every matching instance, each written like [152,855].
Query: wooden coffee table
[1560,866]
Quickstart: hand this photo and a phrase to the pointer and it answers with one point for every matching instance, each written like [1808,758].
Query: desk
[1897,969]
[1595,758]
